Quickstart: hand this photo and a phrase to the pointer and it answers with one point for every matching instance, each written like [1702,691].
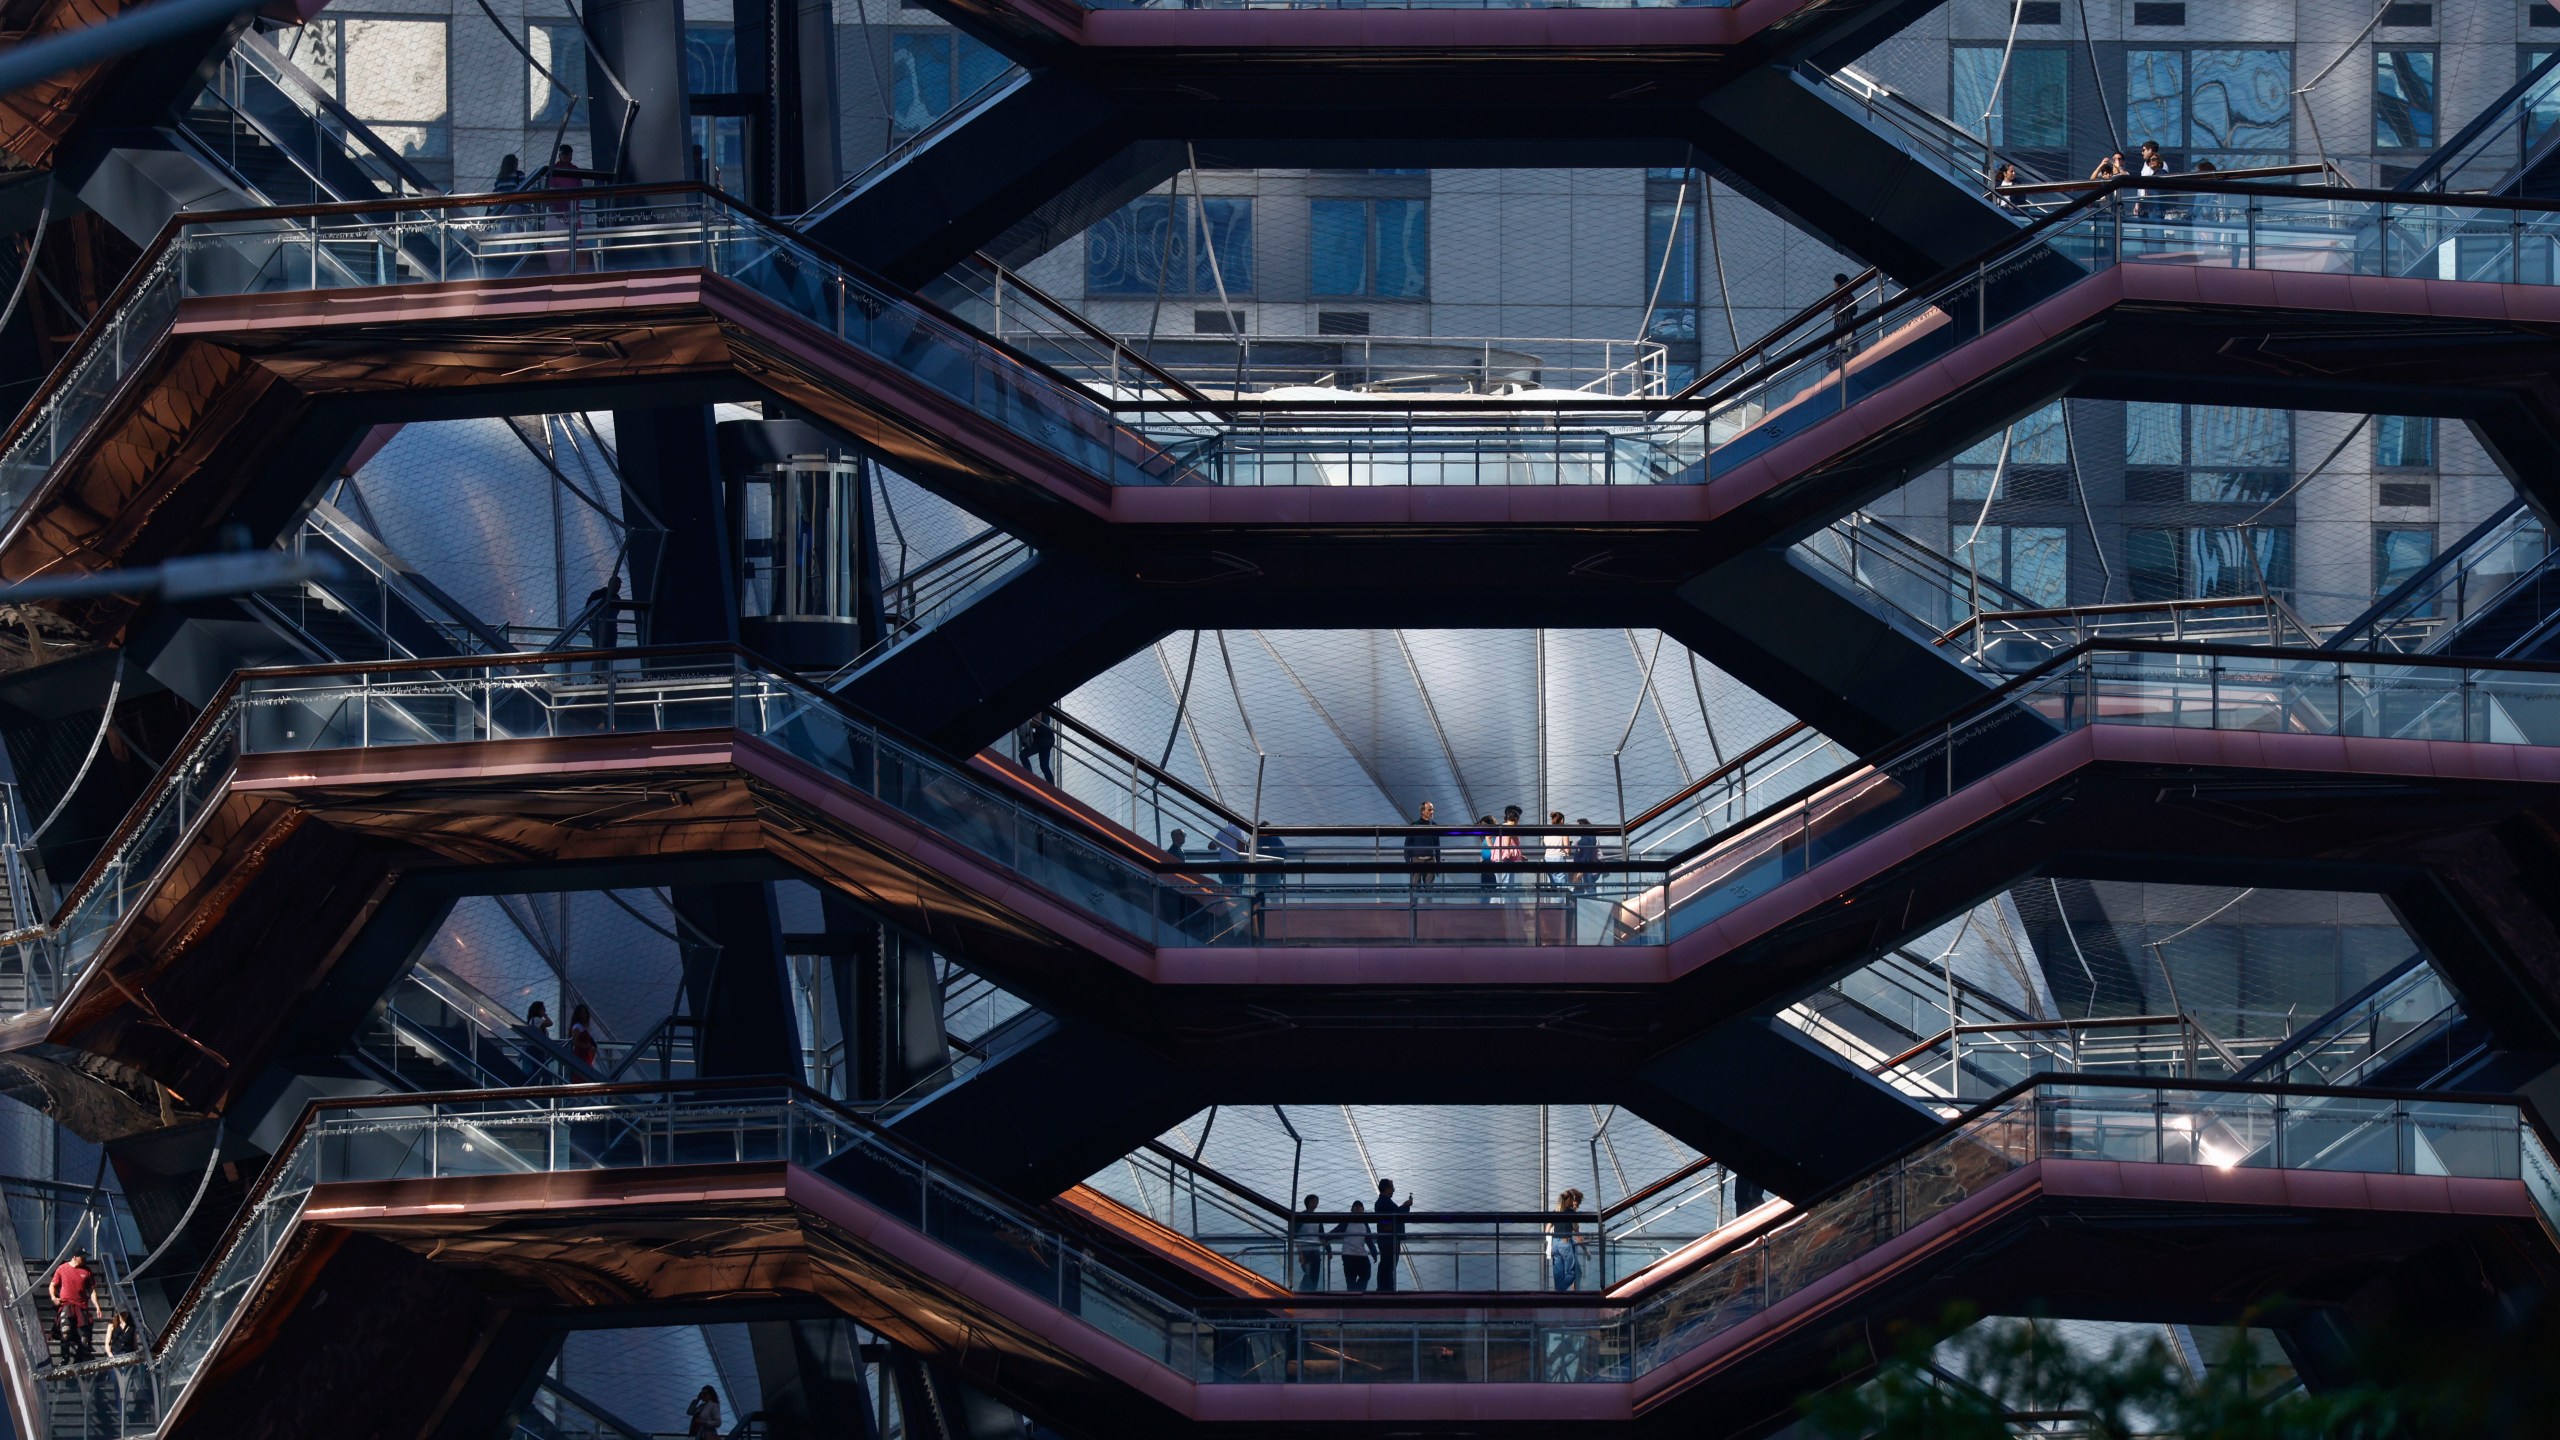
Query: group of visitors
[1499,842]
[2149,162]
[582,1030]
[73,1291]
[1371,1243]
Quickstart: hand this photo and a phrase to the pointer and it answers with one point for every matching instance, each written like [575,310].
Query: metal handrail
[963,110]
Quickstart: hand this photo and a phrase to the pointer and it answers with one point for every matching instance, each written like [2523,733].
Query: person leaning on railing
[1306,1241]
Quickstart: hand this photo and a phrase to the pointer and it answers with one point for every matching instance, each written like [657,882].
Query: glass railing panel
[2541,1178]
[2142,1125]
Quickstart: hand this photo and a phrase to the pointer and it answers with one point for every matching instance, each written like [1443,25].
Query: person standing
[1174,841]
[70,1289]
[1390,1234]
[1422,851]
[1506,845]
[582,1035]
[562,175]
[1306,1237]
[537,1018]
[1586,853]
[702,1417]
[2001,180]
[1484,851]
[123,1337]
[2151,163]
[1352,1238]
[1844,322]
[1564,1243]
[1559,847]
[1038,747]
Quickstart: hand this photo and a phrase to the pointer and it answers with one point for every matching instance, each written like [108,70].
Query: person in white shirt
[1351,1241]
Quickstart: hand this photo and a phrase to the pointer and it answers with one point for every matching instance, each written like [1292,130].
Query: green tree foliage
[1988,1378]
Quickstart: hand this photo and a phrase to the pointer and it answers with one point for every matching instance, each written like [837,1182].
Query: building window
[2542,103]
[2233,107]
[1671,249]
[558,47]
[929,72]
[2039,461]
[2399,554]
[393,75]
[1370,247]
[2210,454]
[719,141]
[2161,13]
[1155,244]
[2404,99]
[2184,562]
[2033,113]
[2032,560]
[2404,441]
[710,60]
[2404,16]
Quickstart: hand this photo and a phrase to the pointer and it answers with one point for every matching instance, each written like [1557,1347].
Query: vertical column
[810,1375]
[891,1002]
[670,472]
[737,980]
[786,70]
[641,42]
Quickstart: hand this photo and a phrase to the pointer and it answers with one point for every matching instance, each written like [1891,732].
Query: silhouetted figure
[1037,746]
[1564,1243]
[1422,852]
[1352,1238]
[1306,1236]
[702,1417]
[1390,1234]
[582,1035]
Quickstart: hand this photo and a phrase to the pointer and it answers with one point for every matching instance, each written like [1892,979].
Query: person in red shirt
[582,1036]
[72,1282]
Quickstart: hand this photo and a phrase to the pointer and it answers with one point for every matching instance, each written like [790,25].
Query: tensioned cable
[2080,488]
[106,719]
[35,246]
[2098,79]
[1209,248]
[2077,953]
[2335,451]
[630,106]
[89,1218]
[2302,92]
[1715,243]
[575,98]
[2000,80]
[1670,246]
[203,1183]
[1973,557]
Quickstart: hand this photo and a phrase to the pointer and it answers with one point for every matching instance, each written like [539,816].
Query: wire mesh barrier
[641,1128]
